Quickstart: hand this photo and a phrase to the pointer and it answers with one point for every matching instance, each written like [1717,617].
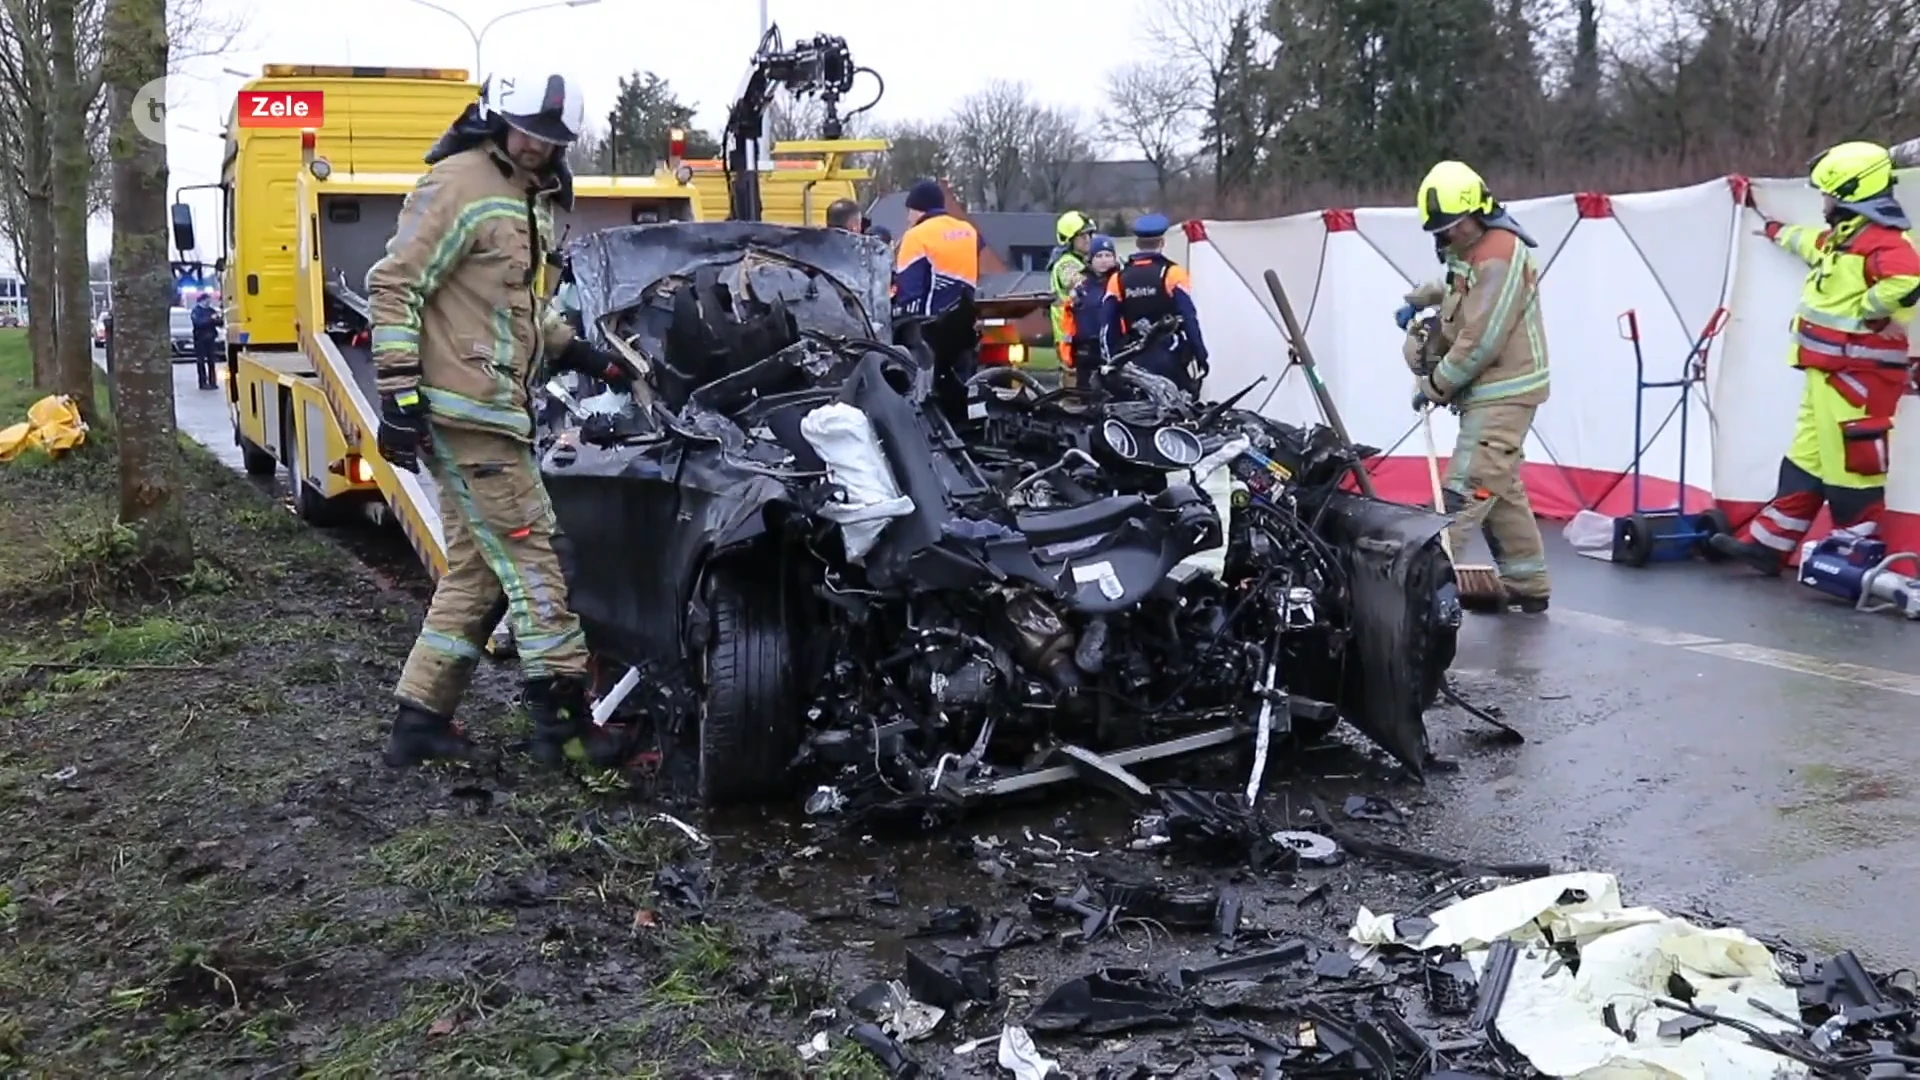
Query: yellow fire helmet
[1450,192]
[1852,171]
[1071,224]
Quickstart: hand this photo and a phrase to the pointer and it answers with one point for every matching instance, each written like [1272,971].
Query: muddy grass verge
[205,870]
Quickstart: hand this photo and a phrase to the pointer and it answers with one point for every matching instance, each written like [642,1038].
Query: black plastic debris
[1007,933]
[1216,826]
[1181,908]
[1094,915]
[1496,972]
[1115,999]
[1226,915]
[892,1056]
[953,979]
[1414,928]
[1334,965]
[1373,808]
[1839,983]
[950,922]
[682,885]
[1246,964]
[1451,986]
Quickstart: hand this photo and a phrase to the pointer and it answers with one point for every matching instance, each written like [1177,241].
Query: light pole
[480,35]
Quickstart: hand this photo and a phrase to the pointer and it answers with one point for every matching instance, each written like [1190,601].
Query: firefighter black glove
[597,363]
[403,429]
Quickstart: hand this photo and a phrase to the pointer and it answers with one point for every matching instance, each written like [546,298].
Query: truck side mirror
[182,227]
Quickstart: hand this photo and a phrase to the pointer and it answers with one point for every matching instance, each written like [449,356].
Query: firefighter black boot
[1759,556]
[558,708]
[420,736]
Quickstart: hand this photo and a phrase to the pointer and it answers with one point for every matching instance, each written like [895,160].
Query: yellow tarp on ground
[53,424]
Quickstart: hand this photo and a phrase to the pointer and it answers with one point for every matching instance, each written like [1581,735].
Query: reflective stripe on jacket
[1067,271]
[938,264]
[1493,341]
[456,301]
[1858,298]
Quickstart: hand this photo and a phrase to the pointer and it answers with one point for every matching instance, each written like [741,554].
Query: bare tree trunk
[135,54]
[72,169]
[40,303]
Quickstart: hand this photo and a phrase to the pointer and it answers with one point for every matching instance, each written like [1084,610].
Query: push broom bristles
[1479,588]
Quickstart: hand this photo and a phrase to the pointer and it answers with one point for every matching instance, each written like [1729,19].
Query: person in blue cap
[1084,322]
[938,264]
[1148,289]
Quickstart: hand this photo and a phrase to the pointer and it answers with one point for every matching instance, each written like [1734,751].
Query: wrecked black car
[839,558]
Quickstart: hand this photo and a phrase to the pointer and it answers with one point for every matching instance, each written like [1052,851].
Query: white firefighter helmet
[545,106]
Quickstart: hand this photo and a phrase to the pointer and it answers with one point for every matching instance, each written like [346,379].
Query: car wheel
[750,721]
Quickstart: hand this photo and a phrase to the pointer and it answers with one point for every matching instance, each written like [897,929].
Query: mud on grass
[205,869]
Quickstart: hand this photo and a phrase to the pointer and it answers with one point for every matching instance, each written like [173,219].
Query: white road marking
[1898,682]
[1879,678]
[1653,635]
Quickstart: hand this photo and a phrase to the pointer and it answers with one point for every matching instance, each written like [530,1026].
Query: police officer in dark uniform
[1150,289]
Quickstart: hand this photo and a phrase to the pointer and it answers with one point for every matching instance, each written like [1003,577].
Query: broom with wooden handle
[1478,587]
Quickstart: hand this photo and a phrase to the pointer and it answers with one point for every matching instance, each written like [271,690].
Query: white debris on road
[1558,1019]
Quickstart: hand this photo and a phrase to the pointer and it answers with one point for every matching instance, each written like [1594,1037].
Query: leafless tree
[587,154]
[1056,148]
[136,54]
[26,171]
[793,119]
[917,151]
[52,75]
[990,130]
[1192,36]
[1151,110]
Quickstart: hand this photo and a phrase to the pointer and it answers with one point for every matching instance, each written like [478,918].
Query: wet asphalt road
[1692,728]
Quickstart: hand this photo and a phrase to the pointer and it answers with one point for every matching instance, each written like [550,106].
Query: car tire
[749,727]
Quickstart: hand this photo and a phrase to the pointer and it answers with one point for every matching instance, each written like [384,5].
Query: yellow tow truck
[307,211]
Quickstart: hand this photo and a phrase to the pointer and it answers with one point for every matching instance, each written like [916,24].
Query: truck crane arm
[818,66]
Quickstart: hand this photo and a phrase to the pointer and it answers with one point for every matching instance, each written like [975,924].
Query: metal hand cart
[1666,534]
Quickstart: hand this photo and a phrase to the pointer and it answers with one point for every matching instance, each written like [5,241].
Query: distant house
[1104,190]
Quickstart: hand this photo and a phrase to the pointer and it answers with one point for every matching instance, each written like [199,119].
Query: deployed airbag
[844,438]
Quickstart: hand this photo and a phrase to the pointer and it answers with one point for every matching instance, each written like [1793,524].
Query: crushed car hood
[616,270]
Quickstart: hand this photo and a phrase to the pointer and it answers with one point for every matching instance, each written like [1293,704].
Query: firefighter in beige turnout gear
[462,332]
[1485,355]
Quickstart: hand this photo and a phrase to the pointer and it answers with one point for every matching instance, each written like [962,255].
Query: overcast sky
[929,60]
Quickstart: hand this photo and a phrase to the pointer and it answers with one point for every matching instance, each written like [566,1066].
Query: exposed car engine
[843,568]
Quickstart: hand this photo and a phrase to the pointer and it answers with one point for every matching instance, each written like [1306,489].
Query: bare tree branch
[987,143]
[1151,110]
[1055,146]
[1010,152]
[919,151]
